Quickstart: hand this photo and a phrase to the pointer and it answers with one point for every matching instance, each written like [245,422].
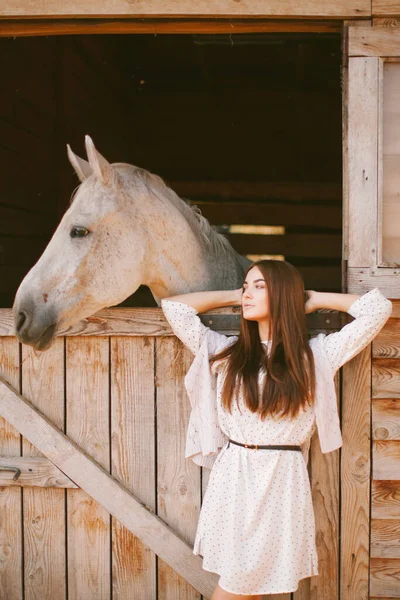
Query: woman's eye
[79,232]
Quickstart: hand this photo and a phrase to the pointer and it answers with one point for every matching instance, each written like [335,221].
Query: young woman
[259,396]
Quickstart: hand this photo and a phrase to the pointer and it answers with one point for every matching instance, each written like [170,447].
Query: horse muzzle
[34,327]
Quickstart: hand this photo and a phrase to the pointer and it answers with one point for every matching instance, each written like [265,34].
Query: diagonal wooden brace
[106,490]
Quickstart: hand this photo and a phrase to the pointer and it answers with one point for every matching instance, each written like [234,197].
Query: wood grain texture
[325,492]
[385,499]
[385,8]
[374,41]
[355,507]
[385,538]
[386,378]
[387,342]
[178,479]
[386,419]
[385,577]
[88,535]
[133,459]
[386,461]
[362,168]
[44,509]
[32,27]
[361,280]
[97,482]
[184,8]
[11,574]
[35,472]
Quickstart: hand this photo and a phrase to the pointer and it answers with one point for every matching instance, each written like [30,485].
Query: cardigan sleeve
[187,326]
[370,312]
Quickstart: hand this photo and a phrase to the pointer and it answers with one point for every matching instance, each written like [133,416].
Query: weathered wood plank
[362,131]
[133,459]
[88,535]
[386,419]
[385,499]
[35,472]
[11,569]
[178,480]
[386,378]
[97,482]
[44,509]
[325,492]
[360,280]
[374,41]
[385,8]
[385,577]
[386,460]
[385,538]
[184,8]
[355,506]
[27,27]
[140,322]
[387,342]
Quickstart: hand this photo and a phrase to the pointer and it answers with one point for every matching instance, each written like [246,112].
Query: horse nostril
[21,320]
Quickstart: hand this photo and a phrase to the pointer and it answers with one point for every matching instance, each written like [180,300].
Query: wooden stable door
[370,473]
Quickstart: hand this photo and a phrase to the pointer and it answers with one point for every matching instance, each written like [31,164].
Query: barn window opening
[246,126]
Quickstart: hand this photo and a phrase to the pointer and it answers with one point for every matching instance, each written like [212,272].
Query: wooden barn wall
[248,127]
[385,501]
[121,399]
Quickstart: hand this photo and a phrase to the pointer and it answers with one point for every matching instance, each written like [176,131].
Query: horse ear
[101,167]
[81,166]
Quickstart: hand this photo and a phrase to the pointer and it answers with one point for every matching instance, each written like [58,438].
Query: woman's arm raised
[202,301]
[332,301]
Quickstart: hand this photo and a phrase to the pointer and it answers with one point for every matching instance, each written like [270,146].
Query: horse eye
[79,232]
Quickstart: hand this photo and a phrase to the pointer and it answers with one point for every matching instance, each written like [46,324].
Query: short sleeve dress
[256,527]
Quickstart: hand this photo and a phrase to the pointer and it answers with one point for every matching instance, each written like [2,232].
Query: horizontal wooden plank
[151,322]
[387,342]
[40,27]
[297,191]
[287,215]
[395,309]
[186,8]
[35,472]
[103,488]
[385,577]
[306,245]
[386,418]
[385,499]
[385,8]
[374,41]
[386,460]
[361,280]
[385,538]
[386,378]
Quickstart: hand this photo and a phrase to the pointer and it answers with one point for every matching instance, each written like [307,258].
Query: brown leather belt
[269,447]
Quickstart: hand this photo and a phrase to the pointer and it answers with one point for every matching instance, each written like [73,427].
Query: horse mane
[217,242]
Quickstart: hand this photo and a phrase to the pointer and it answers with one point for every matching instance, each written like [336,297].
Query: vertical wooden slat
[44,509]
[10,498]
[88,425]
[362,164]
[178,489]
[355,506]
[133,459]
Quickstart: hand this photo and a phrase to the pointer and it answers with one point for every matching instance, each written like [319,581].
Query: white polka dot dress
[256,528]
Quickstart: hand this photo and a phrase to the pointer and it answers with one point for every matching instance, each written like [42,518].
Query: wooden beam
[103,488]
[35,472]
[385,8]
[40,27]
[361,280]
[376,41]
[387,342]
[386,463]
[185,8]
[151,322]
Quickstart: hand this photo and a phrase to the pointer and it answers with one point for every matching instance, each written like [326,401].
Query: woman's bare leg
[220,594]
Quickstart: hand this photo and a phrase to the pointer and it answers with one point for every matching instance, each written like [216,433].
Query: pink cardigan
[204,436]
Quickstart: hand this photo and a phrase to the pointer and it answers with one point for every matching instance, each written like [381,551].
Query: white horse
[124,228]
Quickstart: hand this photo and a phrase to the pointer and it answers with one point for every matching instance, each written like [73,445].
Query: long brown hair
[289,365]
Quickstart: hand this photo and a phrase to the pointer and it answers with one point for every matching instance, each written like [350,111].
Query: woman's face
[255,304]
